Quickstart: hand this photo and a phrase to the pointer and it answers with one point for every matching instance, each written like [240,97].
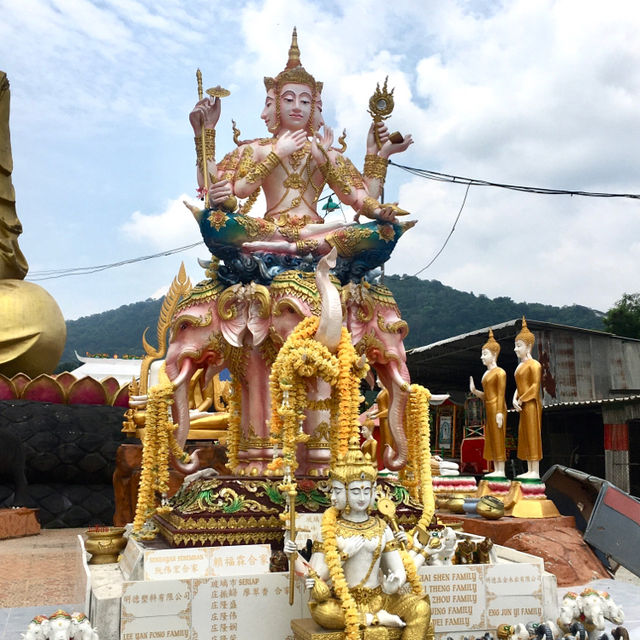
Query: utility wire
[52,274]
[445,177]
[453,228]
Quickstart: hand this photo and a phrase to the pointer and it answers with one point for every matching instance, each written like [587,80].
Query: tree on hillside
[623,318]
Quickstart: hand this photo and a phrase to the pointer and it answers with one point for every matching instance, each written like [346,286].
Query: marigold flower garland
[299,360]
[234,426]
[332,558]
[157,443]
[417,424]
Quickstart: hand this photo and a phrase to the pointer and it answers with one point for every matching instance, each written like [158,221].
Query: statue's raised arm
[292,168]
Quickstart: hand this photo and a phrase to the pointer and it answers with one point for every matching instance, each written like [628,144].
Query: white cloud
[173,227]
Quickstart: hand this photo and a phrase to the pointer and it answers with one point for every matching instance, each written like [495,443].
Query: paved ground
[39,574]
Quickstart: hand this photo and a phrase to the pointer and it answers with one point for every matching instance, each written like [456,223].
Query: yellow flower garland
[158,441]
[234,426]
[300,359]
[332,558]
[417,426]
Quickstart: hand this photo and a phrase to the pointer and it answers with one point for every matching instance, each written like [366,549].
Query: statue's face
[522,350]
[338,495]
[360,495]
[295,106]
[318,120]
[487,357]
[269,112]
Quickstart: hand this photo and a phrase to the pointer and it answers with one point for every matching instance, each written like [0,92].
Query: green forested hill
[433,311]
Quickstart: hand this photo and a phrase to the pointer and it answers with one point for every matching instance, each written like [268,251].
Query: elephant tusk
[329,329]
[403,385]
[184,372]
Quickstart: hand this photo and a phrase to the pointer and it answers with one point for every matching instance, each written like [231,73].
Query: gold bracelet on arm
[369,205]
[209,144]
[261,170]
[375,167]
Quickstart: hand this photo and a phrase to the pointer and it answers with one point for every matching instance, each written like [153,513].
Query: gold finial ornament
[218,92]
[381,102]
[525,335]
[353,466]
[294,52]
[492,344]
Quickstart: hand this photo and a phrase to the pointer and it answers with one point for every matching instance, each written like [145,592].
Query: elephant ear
[233,310]
[259,313]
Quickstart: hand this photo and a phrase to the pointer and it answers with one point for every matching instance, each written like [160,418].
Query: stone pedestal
[126,477]
[307,629]
[18,523]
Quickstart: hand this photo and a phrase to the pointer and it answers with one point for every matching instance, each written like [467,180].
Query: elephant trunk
[330,326]
[397,384]
[180,410]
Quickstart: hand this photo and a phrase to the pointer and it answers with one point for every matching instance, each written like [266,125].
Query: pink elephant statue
[242,328]
[377,331]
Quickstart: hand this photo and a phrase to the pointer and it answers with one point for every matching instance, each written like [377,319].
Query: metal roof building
[590,391]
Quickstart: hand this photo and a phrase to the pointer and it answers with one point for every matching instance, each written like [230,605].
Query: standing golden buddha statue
[494,384]
[527,401]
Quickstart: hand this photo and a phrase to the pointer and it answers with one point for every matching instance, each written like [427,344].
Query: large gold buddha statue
[32,329]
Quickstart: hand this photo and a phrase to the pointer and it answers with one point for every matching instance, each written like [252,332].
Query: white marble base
[466,599]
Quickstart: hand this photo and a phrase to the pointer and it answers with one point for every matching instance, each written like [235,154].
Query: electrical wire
[453,228]
[445,177]
[53,274]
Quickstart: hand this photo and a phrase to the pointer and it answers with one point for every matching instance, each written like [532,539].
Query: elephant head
[377,330]
[59,626]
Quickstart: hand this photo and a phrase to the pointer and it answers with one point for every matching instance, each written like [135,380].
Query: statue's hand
[516,402]
[388,212]
[387,619]
[320,144]
[351,546]
[289,142]
[390,583]
[389,148]
[290,546]
[383,136]
[499,420]
[472,386]
[309,583]
[206,113]
[219,192]
[401,536]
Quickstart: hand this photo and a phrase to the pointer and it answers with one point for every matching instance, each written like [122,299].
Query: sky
[544,94]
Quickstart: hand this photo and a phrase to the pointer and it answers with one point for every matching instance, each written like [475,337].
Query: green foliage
[117,331]
[623,318]
[433,311]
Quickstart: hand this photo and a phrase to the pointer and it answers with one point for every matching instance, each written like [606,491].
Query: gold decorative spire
[525,335]
[294,52]
[492,344]
[353,465]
